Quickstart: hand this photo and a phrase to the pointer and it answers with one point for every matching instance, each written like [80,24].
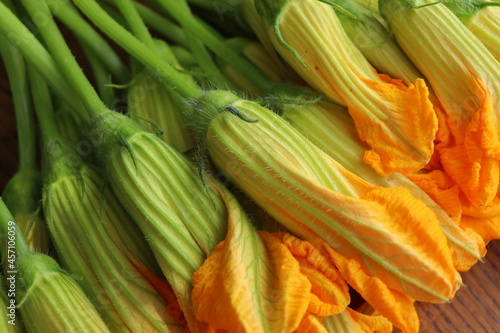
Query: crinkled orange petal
[474,162]
[401,131]
[487,228]
[441,188]
[397,307]
[444,138]
[492,210]
[467,249]
[245,286]
[353,321]
[478,179]
[330,294]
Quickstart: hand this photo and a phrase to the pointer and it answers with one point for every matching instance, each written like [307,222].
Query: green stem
[205,61]
[59,49]
[72,19]
[101,76]
[135,22]
[177,9]
[21,247]
[186,88]
[200,53]
[162,25]
[43,107]
[18,79]
[36,54]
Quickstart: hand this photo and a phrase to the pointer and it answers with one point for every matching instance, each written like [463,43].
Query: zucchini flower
[22,195]
[397,121]
[262,282]
[480,17]
[333,131]
[95,238]
[94,235]
[311,194]
[182,216]
[368,32]
[48,298]
[466,79]
[158,106]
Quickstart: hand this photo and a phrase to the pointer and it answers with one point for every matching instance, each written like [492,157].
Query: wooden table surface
[475,309]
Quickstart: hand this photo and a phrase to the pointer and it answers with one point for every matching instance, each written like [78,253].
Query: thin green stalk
[72,19]
[6,219]
[18,79]
[102,76]
[190,24]
[162,25]
[139,29]
[206,63]
[36,54]
[135,22]
[43,106]
[59,49]
[148,57]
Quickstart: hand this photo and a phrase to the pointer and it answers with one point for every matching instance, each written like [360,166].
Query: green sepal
[22,193]
[270,10]
[33,266]
[468,8]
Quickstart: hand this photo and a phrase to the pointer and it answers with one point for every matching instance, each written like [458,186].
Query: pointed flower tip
[402,138]
[296,280]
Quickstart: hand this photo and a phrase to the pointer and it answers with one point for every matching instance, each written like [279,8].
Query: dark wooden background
[475,309]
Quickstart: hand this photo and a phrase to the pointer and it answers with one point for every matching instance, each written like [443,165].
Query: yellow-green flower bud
[98,241]
[52,301]
[157,107]
[22,195]
[367,30]
[48,298]
[182,218]
[482,17]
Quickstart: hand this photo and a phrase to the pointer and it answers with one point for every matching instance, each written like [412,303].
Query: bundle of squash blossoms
[247,165]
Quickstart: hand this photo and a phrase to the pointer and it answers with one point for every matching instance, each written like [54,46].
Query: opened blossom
[466,79]
[396,120]
[311,194]
[261,282]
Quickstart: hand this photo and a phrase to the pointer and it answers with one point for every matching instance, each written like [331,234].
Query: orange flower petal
[329,292]
[397,307]
[474,163]
[402,136]
[487,228]
[353,321]
[246,286]
[441,188]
